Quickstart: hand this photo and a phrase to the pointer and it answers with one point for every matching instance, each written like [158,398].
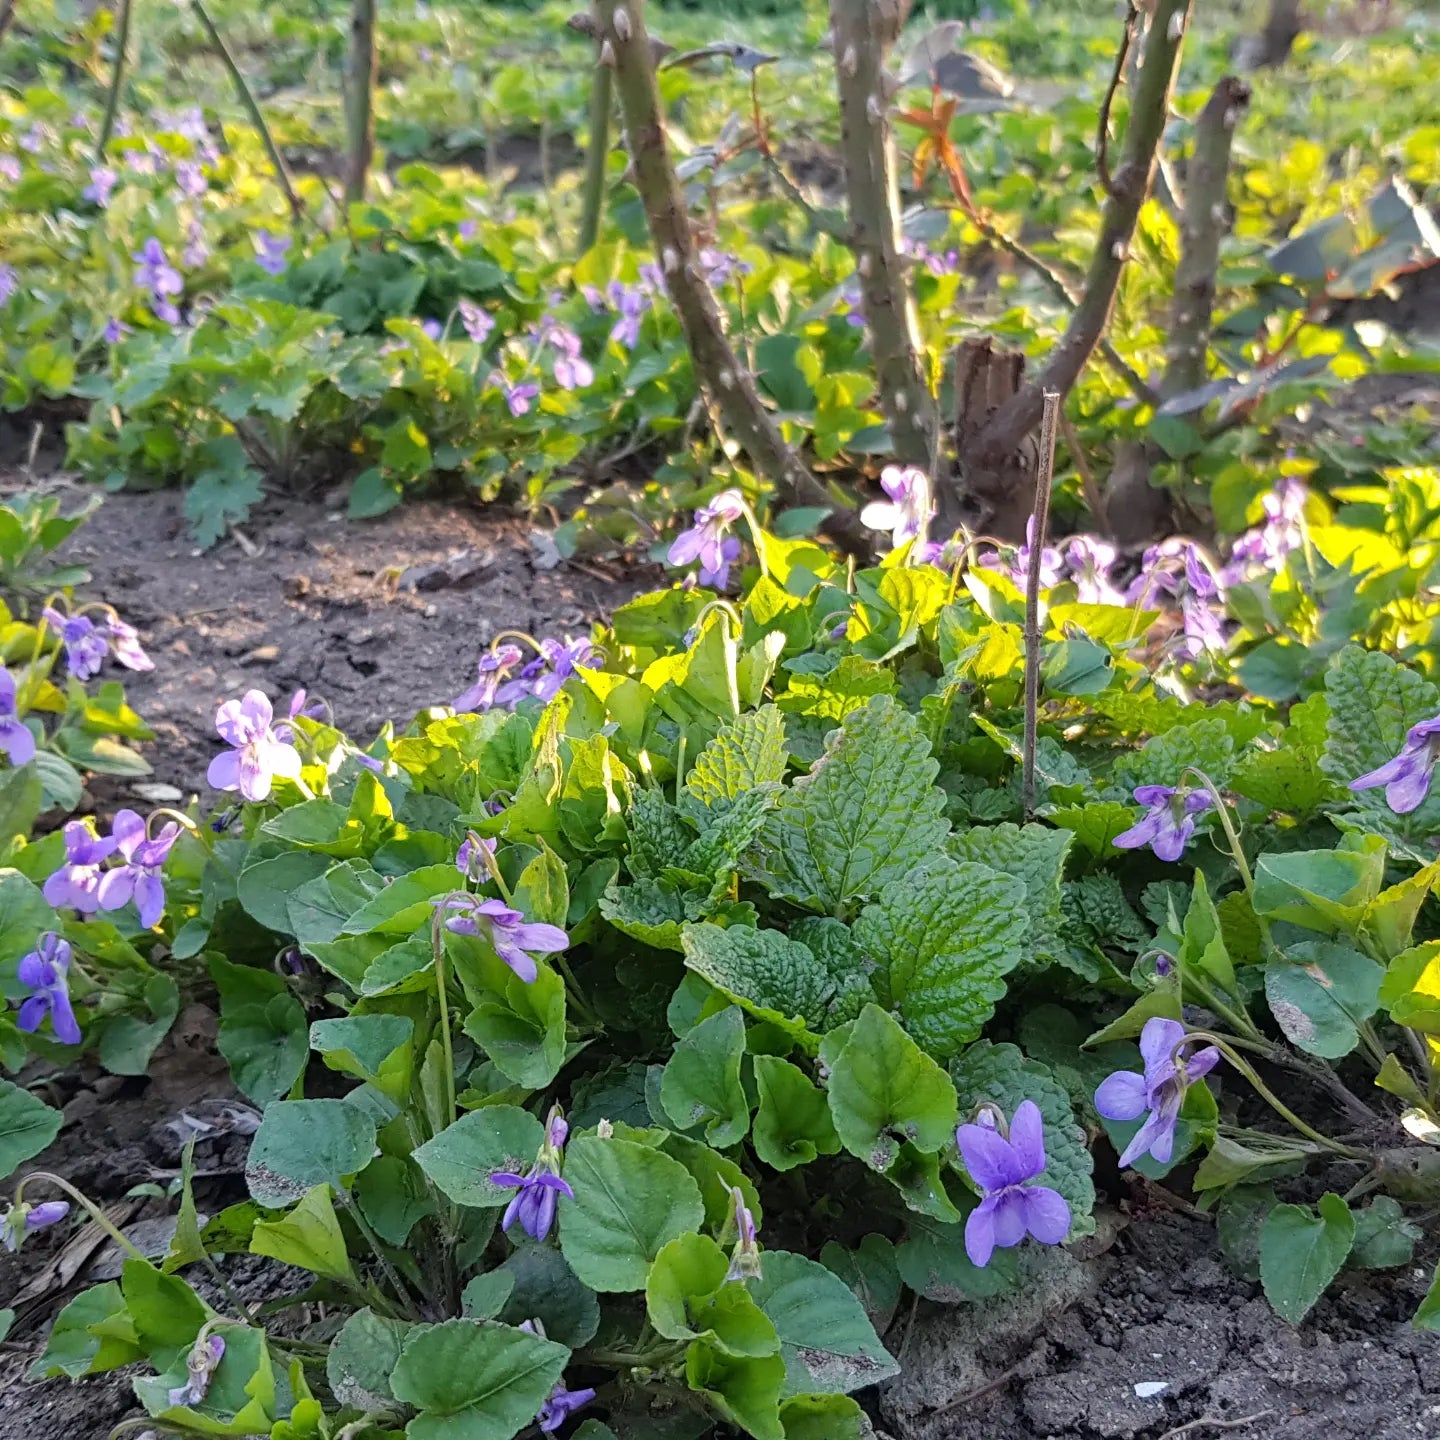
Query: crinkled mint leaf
[834,695]
[748,752]
[1205,744]
[1034,855]
[652,911]
[659,834]
[867,812]
[1002,1075]
[729,833]
[946,938]
[773,977]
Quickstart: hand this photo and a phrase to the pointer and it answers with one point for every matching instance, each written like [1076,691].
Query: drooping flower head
[559,660]
[16,738]
[22,1220]
[909,508]
[1407,777]
[709,540]
[1090,560]
[138,878]
[537,1191]
[478,323]
[200,1366]
[76,884]
[85,644]
[1003,1167]
[1169,821]
[259,754]
[491,687]
[745,1257]
[517,397]
[45,973]
[561,1405]
[1160,1091]
[125,645]
[271,252]
[470,858]
[1052,566]
[515,940]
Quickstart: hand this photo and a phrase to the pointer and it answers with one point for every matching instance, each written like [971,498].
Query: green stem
[94,1211]
[117,80]
[437,941]
[402,1294]
[1232,837]
[601,84]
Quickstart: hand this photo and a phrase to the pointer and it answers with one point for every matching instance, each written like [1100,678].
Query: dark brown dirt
[361,614]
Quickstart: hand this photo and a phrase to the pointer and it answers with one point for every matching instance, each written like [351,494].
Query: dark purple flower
[1160,1090]
[537,1191]
[1407,777]
[745,1257]
[44,973]
[470,858]
[271,251]
[102,181]
[490,687]
[22,1219]
[200,1365]
[16,738]
[709,541]
[517,397]
[138,877]
[259,754]
[561,1405]
[125,644]
[1010,1207]
[515,941]
[85,644]
[1090,560]
[76,884]
[909,509]
[115,330]
[1169,823]
[478,323]
[559,660]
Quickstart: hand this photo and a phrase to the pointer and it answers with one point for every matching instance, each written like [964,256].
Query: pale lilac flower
[470,858]
[745,1257]
[259,754]
[1407,777]
[1204,624]
[848,303]
[1169,822]
[561,1405]
[632,303]
[154,271]
[1090,560]
[138,877]
[494,670]
[35,137]
[44,972]
[1010,1207]
[559,660]
[467,229]
[85,644]
[1266,547]
[1052,565]
[190,178]
[9,283]
[115,330]
[102,182]
[478,323]
[517,397]
[23,1218]
[125,645]
[196,251]
[946,264]
[709,541]
[271,251]
[432,329]
[538,1190]
[1160,1090]
[16,738]
[909,509]
[200,1365]
[515,940]
[572,371]
[720,268]
[76,884]
[10,167]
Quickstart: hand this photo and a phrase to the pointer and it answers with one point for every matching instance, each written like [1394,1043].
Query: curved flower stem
[402,1293]
[1232,836]
[755,533]
[1233,1055]
[1237,1018]
[524,635]
[1319,1072]
[437,945]
[93,1210]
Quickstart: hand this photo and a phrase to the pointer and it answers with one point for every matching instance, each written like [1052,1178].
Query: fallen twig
[1216,1422]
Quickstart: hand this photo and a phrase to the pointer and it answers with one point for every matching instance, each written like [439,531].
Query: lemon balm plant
[633,1031]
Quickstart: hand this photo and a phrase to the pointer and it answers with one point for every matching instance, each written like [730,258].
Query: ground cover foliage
[633,1035]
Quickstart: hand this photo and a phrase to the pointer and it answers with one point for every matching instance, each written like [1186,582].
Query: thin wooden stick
[117,80]
[1216,1422]
[1102,140]
[596,157]
[1039,527]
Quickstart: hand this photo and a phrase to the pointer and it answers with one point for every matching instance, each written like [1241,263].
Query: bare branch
[863,32]
[596,156]
[1102,139]
[1036,536]
[1159,62]
[721,374]
[360,76]
[1202,226]
[7,14]
[117,80]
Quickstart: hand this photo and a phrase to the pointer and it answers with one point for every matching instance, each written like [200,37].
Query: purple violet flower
[138,878]
[271,251]
[102,182]
[559,660]
[259,754]
[1407,777]
[1010,1207]
[1052,566]
[1168,823]
[432,329]
[538,1190]
[909,509]
[469,859]
[1160,1090]
[517,397]
[571,370]
[200,1365]
[22,1219]
[515,940]
[633,303]
[17,740]
[467,229]
[115,330]
[10,169]
[44,973]
[125,645]
[709,541]
[478,323]
[561,1405]
[76,884]
[492,686]
[85,644]
[745,1258]
[196,251]
[155,272]
[190,178]
[9,282]
[1090,560]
